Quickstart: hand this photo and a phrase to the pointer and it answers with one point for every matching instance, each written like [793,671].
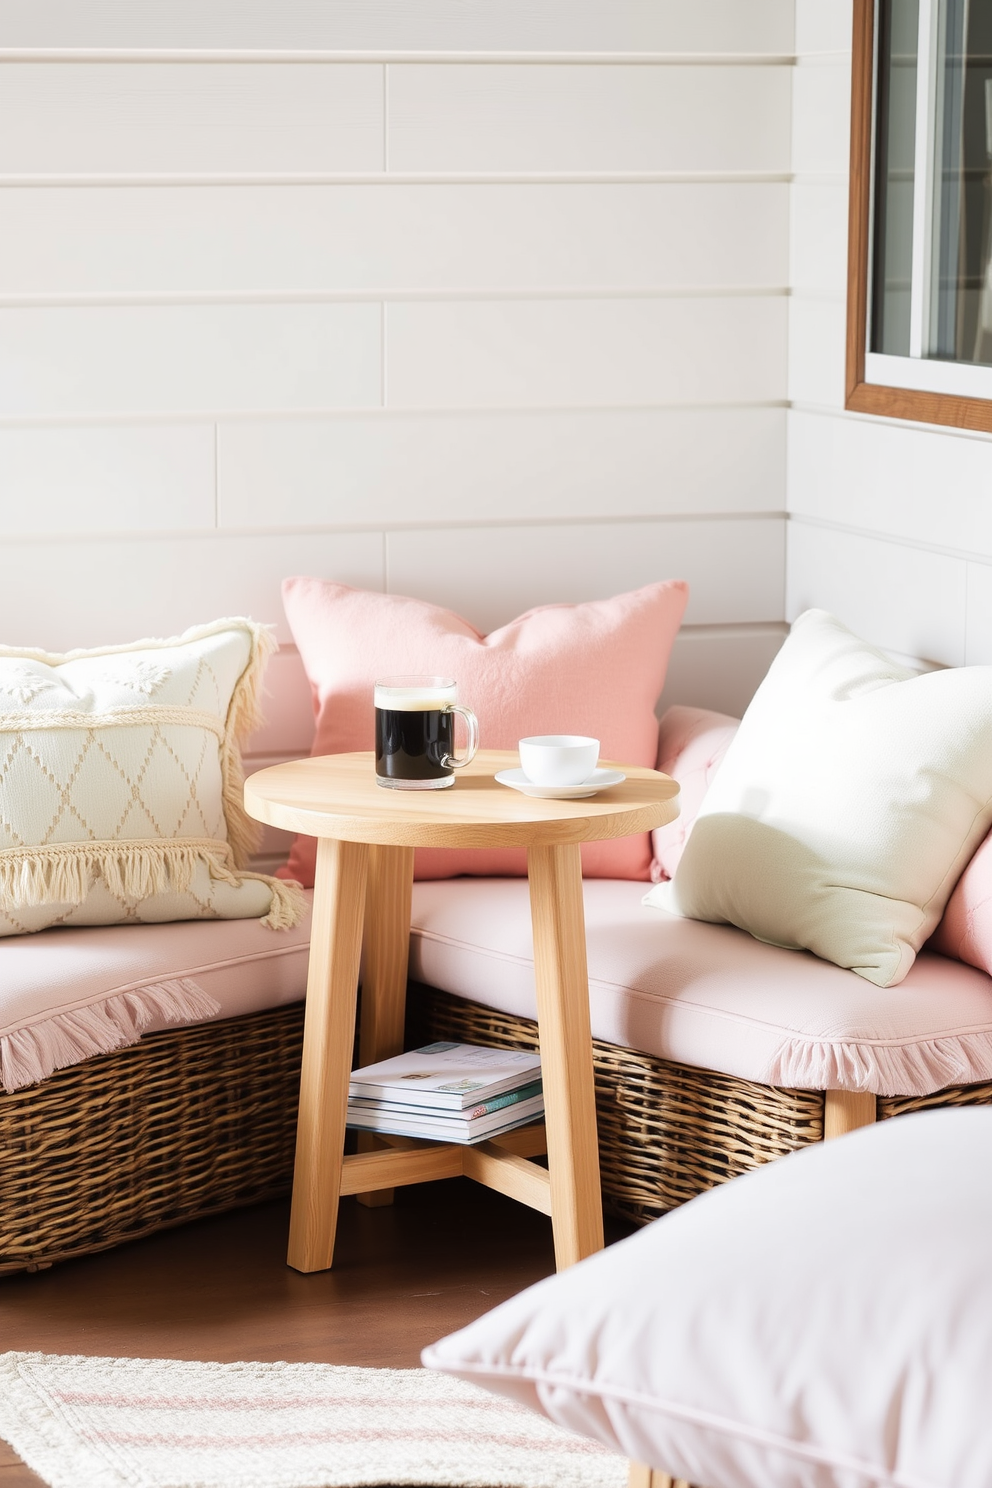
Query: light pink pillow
[821,1322]
[595,668]
[691,745]
[965,932]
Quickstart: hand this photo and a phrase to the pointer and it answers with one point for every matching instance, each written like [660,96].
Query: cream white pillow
[822,1322]
[849,802]
[121,785]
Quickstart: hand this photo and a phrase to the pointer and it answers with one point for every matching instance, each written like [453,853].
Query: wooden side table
[366,840]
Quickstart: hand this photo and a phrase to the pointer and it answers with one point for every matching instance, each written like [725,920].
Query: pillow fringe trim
[64,873]
[244,715]
[918,1068]
[289,902]
[33,1053]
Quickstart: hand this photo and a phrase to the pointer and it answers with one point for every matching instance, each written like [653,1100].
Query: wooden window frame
[861,396]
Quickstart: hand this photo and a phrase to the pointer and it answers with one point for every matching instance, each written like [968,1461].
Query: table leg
[387,955]
[328,1040]
[639,1475]
[566,1050]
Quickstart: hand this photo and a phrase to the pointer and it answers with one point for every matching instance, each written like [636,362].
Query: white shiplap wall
[483,303]
[890,523]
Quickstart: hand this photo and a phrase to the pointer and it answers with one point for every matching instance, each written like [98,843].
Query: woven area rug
[163,1423]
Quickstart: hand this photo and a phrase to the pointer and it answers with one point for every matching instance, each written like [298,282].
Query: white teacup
[558,759]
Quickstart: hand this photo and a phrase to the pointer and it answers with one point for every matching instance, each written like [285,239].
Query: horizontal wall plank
[560,118]
[469,26]
[900,598]
[823,25]
[817,349]
[96,118]
[734,568]
[299,240]
[895,479]
[818,237]
[124,477]
[978,638]
[59,594]
[568,352]
[187,358]
[499,467]
[720,667]
[821,115]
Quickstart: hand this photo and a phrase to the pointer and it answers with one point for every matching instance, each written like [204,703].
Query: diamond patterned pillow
[120,783]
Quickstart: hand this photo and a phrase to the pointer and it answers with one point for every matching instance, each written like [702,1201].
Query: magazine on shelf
[535,1089]
[446,1077]
[443,1127]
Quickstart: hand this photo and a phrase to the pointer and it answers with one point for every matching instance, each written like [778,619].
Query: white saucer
[598,780]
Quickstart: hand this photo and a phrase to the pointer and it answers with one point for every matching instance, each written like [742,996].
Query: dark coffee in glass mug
[415,732]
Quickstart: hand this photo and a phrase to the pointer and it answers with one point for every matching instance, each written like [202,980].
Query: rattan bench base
[186,1123]
[196,1121]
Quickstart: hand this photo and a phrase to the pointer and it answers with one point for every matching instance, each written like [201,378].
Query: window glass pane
[961,278]
[895,138]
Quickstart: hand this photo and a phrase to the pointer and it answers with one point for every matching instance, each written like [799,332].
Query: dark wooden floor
[403,1276]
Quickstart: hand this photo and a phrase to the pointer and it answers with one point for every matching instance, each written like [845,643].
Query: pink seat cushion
[691,745]
[595,668]
[714,997]
[68,994]
[965,932]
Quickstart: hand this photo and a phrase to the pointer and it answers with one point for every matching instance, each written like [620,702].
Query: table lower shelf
[501,1163]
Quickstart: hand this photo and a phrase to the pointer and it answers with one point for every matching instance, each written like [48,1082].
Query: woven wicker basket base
[196,1121]
[954,1095]
[186,1123]
[669,1131]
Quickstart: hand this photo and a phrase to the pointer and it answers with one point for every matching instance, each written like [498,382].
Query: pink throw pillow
[595,668]
[691,745]
[965,932]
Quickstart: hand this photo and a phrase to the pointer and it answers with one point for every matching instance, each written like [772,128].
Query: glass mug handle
[472,724]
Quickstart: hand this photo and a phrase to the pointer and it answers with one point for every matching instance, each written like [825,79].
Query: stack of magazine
[448,1092]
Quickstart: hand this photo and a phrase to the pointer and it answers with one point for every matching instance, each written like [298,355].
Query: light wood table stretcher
[366,840]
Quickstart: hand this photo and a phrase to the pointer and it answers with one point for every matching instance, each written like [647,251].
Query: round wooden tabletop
[336,795]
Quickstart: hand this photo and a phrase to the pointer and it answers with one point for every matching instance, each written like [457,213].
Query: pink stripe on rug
[341,1438]
[272,1402]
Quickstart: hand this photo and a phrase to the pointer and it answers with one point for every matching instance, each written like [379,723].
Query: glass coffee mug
[415,732]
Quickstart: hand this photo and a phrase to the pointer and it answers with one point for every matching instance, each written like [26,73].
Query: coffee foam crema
[413,699]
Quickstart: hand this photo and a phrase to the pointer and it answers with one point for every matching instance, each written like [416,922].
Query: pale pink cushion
[965,932]
[712,995]
[595,668]
[68,994]
[691,745]
[822,1322]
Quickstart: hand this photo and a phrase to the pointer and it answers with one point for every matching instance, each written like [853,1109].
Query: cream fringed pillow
[848,803]
[121,785]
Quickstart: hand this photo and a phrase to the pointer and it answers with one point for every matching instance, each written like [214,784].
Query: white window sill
[960,379]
